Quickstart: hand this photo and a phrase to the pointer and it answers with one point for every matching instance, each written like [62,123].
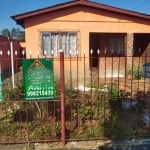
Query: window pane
[73,43]
[46,43]
[116,45]
[141,43]
[65,45]
[53,42]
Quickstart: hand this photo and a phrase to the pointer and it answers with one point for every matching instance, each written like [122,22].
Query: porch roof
[20,18]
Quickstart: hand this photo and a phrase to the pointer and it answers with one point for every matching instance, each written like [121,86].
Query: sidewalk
[128,144]
[79,145]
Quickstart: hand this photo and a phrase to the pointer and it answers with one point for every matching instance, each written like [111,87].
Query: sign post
[38,79]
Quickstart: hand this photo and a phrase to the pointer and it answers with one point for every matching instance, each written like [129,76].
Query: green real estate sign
[0,88]
[38,79]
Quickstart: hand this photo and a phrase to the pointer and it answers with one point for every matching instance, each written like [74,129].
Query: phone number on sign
[40,93]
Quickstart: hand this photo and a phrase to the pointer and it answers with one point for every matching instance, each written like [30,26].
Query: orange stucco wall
[81,19]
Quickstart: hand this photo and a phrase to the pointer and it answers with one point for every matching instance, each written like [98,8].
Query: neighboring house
[5,56]
[82,25]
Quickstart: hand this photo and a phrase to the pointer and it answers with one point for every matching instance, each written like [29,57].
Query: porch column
[129,49]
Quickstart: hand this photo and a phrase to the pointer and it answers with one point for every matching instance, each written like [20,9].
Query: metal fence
[107,100]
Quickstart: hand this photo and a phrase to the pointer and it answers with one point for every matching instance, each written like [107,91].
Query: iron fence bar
[9,69]
[6,115]
[77,74]
[12,63]
[62,86]
[105,52]
[91,52]
[137,90]
[146,55]
[71,86]
[84,72]
[98,78]
[98,52]
[78,101]
[125,73]
[27,118]
[54,107]
[118,81]
[105,73]
[70,98]
[70,62]
[139,73]
[131,81]
[112,61]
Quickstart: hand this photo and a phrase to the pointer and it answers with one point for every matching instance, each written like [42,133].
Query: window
[116,45]
[112,44]
[141,43]
[52,42]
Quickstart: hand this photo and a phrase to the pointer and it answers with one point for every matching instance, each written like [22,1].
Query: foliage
[57,88]
[35,131]
[17,34]
[5,32]
[45,131]
[93,117]
[86,132]
[105,110]
[71,93]
[13,93]
[92,131]
[84,112]
[135,71]
[10,129]
[115,100]
[14,33]
[117,130]
[101,107]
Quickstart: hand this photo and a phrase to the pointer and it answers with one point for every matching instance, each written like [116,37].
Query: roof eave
[18,21]
[21,17]
[118,10]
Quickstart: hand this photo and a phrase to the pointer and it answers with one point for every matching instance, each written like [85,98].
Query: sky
[10,8]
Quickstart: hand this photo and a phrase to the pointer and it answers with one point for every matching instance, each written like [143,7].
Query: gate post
[62,89]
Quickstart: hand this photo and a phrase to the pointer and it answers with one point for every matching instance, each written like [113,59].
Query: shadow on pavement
[132,144]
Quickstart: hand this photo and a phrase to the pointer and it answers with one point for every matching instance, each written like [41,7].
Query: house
[81,25]
[6,45]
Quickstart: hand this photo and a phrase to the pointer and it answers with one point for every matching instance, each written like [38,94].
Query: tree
[22,35]
[17,34]
[5,32]
[14,33]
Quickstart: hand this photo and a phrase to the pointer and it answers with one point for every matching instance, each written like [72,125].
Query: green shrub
[135,71]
